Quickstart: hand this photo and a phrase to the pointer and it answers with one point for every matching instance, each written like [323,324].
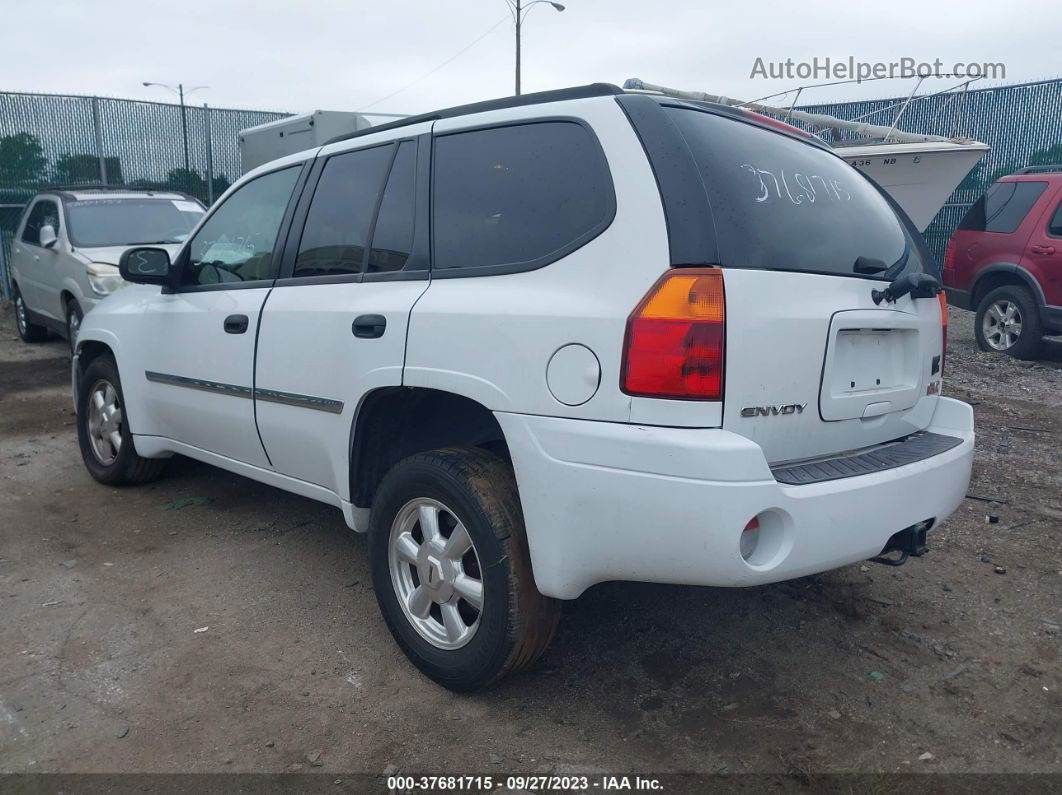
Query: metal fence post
[5,283]
[98,125]
[209,155]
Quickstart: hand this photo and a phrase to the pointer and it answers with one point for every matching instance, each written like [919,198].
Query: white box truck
[275,139]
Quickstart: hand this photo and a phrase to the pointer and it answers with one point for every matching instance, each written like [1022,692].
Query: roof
[536,98]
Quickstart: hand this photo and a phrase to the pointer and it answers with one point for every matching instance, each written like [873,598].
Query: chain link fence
[48,139]
[52,139]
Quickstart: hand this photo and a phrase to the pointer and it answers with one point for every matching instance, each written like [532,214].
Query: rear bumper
[607,501]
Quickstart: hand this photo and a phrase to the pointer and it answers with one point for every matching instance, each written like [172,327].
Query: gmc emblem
[769,411]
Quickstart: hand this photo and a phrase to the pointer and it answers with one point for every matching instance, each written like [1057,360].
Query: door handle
[369,327]
[1042,249]
[236,324]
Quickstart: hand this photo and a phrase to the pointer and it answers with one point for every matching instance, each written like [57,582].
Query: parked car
[540,343]
[64,258]
[1005,262]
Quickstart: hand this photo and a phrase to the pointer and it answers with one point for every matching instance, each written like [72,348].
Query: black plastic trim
[505,268]
[958,298]
[890,455]
[235,390]
[1010,268]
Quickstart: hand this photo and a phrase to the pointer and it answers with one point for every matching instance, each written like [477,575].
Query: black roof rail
[1040,169]
[536,98]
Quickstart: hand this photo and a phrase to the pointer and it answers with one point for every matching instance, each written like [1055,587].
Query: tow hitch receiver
[909,542]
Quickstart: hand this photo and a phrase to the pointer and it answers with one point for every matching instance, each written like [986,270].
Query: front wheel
[1008,321]
[451,568]
[103,429]
[74,316]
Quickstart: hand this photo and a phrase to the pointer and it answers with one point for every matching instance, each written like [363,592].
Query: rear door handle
[369,327]
[236,324]
[1042,249]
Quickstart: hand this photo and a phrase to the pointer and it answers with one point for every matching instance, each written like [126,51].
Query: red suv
[1005,262]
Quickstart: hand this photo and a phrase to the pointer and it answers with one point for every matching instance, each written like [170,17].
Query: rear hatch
[814,367]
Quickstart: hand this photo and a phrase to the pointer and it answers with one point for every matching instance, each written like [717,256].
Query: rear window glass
[517,196]
[1003,207]
[780,204]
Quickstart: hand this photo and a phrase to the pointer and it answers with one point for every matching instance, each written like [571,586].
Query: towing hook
[919,285]
[909,542]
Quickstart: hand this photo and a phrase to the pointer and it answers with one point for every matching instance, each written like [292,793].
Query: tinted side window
[517,196]
[337,224]
[1003,207]
[1055,229]
[236,243]
[44,213]
[392,238]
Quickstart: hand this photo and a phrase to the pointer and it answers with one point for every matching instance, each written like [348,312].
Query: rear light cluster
[947,273]
[943,298]
[676,338]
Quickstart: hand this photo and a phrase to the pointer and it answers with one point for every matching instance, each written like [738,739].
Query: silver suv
[67,244]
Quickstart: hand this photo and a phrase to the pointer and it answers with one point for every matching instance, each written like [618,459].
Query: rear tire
[103,429]
[28,331]
[1008,321]
[453,641]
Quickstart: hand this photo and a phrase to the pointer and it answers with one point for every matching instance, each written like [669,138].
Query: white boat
[919,171]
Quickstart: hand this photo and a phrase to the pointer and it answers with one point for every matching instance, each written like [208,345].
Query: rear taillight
[676,337]
[943,298]
[947,273]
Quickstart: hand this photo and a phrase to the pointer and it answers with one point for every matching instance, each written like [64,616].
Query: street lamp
[179,91]
[519,10]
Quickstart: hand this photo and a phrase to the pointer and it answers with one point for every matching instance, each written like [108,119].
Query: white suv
[539,343]
[64,258]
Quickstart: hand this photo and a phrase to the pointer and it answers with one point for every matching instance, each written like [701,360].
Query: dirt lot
[950,663]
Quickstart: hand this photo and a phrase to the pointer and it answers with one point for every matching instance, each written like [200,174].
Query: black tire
[126,468]
[516,622]
[28,331]
[1030,341]
[73,311]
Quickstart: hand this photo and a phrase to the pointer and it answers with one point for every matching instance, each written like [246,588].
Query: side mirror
[145,266]
[48,237]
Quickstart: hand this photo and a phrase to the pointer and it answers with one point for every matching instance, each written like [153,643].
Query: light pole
[519,10]
[179,91]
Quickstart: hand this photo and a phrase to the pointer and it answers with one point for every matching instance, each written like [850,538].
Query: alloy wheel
[20,314]
[1001,325]
[104,422]
[436,573]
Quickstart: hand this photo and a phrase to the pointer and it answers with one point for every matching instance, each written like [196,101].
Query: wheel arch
[394,422]
[1001,274]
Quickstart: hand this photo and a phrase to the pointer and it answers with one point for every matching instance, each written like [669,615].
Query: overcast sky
[349,54]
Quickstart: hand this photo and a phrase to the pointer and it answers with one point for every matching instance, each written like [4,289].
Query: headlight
[104,279]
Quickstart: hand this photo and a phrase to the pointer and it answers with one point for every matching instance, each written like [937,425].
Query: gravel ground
[240,632]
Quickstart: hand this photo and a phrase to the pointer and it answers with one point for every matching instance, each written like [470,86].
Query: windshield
[780,204]
[128,222]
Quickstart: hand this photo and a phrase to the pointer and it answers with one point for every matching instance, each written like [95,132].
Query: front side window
[44,213]
[127,222]
[236,243]
[518,196]
[337,225]
[1003,207]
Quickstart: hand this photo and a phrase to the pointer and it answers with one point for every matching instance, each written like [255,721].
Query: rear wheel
[1008,321]
[103,429]
[451,569]
[27,330]
[74,316]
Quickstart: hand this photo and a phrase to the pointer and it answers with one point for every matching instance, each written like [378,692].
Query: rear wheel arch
[1000,275]
[393,423]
